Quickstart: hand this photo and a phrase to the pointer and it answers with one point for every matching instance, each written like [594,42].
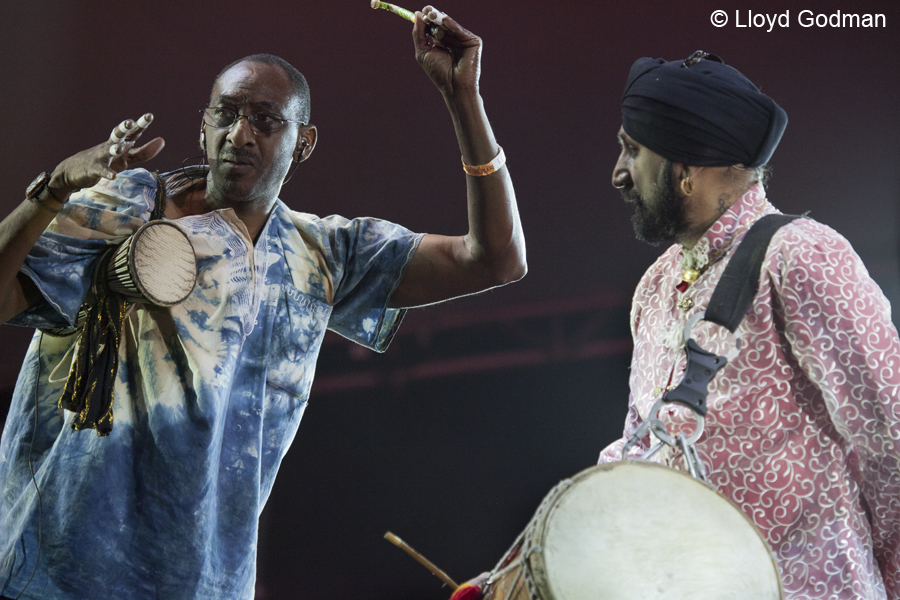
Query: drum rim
[536,568]
[137,282]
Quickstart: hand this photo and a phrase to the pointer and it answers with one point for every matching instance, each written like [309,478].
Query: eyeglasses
[225,118]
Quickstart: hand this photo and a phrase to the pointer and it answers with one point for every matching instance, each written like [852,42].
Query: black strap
[729,303]
[740,281]
[159,207]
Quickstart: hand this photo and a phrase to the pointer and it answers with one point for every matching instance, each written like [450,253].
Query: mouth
[630,196]
[237,166]
[238,161]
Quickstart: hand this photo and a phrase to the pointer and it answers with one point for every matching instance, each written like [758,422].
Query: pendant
[690,275]
[685,303]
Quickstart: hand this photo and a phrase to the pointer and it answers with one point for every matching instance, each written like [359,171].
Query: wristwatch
[36,189]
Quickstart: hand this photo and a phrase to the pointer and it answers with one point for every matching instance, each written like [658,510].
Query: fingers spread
[145,120]
[126,133]
[138,128]
[147,151]
[120,131]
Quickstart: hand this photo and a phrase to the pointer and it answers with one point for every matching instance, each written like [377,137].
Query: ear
[203,136]
[306,142]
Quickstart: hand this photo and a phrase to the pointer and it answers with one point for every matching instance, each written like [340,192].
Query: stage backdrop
[452,437]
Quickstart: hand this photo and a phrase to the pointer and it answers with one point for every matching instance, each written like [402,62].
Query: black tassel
[90,386]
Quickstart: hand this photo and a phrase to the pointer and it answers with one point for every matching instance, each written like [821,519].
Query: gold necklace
[689,276]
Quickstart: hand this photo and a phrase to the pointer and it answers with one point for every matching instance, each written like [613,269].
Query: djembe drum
[156,265]
[635,529]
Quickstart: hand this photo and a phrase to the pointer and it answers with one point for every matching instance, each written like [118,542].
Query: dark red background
[456,458]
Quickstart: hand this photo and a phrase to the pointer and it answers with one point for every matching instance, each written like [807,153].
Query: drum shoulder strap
[740,281]
[729,303]
[159,210]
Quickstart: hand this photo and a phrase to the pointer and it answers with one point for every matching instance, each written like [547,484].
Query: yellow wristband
[482,170]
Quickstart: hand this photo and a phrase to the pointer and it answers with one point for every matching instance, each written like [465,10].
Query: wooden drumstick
[400,12]
[421,559]
[434,18]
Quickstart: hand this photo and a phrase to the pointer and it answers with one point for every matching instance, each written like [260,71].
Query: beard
[659,215]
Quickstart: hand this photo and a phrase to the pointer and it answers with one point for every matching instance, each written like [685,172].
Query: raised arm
[492,253]
[22,228]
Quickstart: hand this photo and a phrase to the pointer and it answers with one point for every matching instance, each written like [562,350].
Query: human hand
[104,160]
[452,56]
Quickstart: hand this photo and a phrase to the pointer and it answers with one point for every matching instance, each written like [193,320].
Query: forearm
[18,234]
[495,238]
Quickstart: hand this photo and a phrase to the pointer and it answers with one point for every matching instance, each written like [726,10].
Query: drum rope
[522,548]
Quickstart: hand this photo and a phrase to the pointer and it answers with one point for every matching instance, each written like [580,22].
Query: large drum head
[156,265]
[639,530]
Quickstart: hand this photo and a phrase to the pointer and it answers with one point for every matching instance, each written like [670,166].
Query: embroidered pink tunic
[803,429]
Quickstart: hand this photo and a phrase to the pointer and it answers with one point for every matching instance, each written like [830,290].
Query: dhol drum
[636,530]
[156,265]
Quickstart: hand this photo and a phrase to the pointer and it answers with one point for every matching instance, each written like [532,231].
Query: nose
[620,175]
[241,134]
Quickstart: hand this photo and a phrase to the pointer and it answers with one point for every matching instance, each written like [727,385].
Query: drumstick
[433,17]
[422,560]
[402,12]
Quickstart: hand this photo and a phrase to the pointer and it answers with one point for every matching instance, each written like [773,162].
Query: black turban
[706,114]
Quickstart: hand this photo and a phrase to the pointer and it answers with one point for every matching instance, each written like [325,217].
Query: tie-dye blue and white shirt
[208,396]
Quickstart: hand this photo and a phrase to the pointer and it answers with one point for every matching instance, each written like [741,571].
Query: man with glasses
[207,395]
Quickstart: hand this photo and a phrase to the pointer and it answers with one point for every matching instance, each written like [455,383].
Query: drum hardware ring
[653,424]
[692,459]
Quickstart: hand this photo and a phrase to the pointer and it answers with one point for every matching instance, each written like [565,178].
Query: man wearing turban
[803,425]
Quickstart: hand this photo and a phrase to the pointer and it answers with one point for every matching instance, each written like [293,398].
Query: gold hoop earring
[687,186]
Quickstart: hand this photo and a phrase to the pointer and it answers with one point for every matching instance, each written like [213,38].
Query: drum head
[165,268]
[639,530]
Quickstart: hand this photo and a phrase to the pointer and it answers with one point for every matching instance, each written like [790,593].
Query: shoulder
[807,244]
[314,230]
[338,231]
[814,270]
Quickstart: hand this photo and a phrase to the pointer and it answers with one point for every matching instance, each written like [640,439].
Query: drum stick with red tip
[421,559]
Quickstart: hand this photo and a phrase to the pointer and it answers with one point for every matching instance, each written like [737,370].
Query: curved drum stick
[421,559]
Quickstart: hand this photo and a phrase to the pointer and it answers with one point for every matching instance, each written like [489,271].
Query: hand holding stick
[434,19]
